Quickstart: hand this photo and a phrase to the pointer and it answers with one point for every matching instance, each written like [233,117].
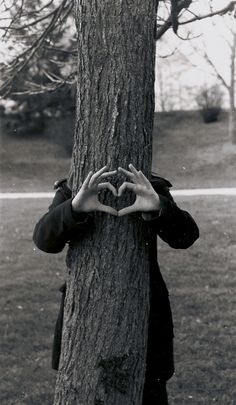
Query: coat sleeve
[54,229]
[172,224]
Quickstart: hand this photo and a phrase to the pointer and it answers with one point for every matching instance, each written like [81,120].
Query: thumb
[127,210]
[107,209]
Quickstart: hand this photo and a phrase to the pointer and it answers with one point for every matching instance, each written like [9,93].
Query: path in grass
[182,192]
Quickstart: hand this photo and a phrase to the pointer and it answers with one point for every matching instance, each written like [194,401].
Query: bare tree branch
[179,7]
[220,77]
[231,6]
[168,55]
[21,27]
[72,52]
[217,73]
[188,37]
[174,15]
[185,4]
[22,60]
[39,10]
[18,14]
[34,88]
[38,27]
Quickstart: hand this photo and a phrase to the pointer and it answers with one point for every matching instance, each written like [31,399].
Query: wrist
[76,208]
[156,203]
[153,210]
[78,215]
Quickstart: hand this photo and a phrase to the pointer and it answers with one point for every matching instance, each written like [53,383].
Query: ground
[201,279]
[185,150]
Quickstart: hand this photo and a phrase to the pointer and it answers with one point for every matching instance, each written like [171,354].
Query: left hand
[86,200]
[146,197]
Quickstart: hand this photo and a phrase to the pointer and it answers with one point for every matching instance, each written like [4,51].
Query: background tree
[170,93]
[209,100]
[199,53]
[41,50]
[226,77]
[230,84]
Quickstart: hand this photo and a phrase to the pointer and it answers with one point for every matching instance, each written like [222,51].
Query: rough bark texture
[232,112]
[107,301]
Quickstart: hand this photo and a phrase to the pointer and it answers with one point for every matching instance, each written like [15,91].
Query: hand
[146,197]
[86,199]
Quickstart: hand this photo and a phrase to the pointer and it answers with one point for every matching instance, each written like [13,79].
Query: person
[156,206]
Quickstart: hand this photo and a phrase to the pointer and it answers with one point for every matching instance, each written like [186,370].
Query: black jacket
[173,225]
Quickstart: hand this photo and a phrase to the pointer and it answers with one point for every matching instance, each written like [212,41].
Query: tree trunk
[232,120]
[107,300]
[232,112]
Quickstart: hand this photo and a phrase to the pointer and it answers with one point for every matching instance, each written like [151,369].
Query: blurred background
[194,146]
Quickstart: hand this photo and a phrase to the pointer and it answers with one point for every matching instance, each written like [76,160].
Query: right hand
[86,200]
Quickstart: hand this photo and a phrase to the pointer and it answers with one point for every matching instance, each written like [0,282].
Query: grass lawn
[192,154]
[201,281]
[188,152]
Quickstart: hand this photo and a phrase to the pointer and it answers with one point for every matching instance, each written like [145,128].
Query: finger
[106,174]
[124,186]
[97,174]
[127,210]
[133,170]
[87,179]
[107,185]
[144,178]
[126,172]
[107,209]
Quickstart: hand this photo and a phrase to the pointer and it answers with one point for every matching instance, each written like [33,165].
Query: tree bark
[232,112]
[107,301]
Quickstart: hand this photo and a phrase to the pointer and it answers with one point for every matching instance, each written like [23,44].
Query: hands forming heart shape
[86,200]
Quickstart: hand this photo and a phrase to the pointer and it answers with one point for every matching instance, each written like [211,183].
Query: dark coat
[173,225]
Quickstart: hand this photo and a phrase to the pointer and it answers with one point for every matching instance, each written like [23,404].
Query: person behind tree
[154,205]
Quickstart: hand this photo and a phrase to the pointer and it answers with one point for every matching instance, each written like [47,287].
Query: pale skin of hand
[86,200]
[146,198]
